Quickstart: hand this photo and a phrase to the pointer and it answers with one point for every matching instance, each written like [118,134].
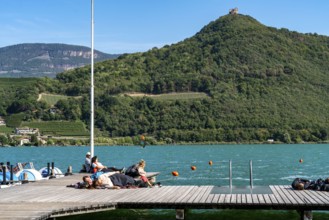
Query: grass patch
[172,96]
[181,96]
[59,128]
[51,99]
[14,120]
[6,130]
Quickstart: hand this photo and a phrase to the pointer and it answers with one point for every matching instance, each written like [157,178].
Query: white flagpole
[92,83]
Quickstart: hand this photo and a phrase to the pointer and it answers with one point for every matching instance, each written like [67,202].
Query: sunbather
[319,184]
[111,180]
[98,166]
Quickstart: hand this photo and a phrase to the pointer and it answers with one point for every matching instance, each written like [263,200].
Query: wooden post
[306,214]
[69,171]
[25,178]
[52,174]
[180,214]
[48,169]
[11,173]
[4,172]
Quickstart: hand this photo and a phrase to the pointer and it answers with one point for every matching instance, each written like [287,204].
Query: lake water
[272,164]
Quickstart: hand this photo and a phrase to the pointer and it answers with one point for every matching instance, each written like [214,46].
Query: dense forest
[260,83]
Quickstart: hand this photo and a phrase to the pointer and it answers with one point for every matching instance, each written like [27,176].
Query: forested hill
[261,83]
[36,59]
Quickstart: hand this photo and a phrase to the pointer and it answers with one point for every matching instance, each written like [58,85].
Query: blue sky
[126,26]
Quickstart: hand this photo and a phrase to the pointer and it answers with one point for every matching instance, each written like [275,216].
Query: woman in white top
[98,166]
[142,173]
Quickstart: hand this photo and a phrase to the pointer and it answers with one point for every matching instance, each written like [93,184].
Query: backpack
[132,171]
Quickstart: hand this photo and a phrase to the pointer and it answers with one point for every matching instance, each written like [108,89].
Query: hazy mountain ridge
[37,60]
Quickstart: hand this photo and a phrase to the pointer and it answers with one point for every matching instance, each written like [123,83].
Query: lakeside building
[26,130]
[2,122]
[24,141]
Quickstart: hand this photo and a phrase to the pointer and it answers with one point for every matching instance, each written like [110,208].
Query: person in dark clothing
[300,184]
[122,180]
[112,181]
[319,184]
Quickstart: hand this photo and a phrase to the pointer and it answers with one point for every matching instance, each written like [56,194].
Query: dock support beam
[180,214]
[306,214]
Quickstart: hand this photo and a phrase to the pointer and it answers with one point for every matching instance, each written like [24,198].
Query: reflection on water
[272,164]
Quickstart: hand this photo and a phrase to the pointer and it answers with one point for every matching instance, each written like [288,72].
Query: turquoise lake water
[272,164]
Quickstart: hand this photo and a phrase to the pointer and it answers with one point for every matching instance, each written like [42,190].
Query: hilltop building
[233,11]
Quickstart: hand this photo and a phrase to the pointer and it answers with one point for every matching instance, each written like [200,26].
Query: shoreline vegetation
[84,141]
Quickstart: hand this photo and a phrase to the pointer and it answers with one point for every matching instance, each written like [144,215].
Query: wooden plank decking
[51,198]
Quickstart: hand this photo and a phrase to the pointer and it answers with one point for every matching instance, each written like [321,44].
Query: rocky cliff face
[37,60]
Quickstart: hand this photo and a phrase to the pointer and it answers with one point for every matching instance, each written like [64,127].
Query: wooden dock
[51,198]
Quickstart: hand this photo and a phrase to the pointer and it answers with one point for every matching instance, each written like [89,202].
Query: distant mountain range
[37,59]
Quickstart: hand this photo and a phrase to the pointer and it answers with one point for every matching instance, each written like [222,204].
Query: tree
[34,140]
[3,140]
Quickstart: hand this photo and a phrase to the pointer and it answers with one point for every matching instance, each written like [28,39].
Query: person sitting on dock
[142,173]
[99,167]
[88,162]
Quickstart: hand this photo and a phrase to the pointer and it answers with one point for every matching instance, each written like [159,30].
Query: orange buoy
[174,173]
[300,160]
[210,162]
[193,167]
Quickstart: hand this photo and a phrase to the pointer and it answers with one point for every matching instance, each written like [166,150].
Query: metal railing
[250,174]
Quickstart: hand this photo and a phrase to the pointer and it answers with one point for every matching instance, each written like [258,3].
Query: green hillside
[60,128]
[51,99]
[261,83]
[17,95]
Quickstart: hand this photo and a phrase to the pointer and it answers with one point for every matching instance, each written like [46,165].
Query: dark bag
[319,184]
[132,170]
[325,187]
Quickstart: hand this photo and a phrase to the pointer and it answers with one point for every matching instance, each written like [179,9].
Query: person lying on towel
[319,184]
[112,180]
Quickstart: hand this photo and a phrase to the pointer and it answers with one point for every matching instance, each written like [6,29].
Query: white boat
[57,172]
[29,175]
